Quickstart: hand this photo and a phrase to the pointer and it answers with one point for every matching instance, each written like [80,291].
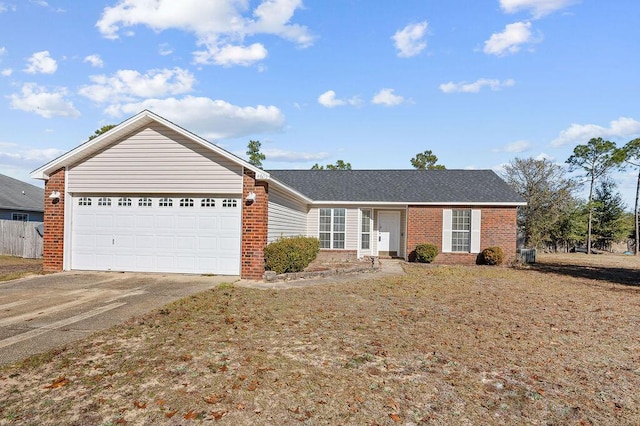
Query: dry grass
[440,345]
[12,268]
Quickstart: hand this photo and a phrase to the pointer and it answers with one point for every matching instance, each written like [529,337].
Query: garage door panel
[157,239]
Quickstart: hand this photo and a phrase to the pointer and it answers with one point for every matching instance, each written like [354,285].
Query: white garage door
[156,234]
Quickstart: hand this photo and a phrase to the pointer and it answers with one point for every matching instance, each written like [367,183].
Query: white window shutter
[475,231]
[446,230]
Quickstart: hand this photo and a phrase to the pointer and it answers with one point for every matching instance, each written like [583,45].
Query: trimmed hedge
[291,254]
[425,253]
[492,256]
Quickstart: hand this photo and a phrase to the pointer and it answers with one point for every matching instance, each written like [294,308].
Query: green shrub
[492,256]
[425,253]
[291,254]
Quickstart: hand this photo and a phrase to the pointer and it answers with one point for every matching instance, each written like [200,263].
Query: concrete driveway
[41,313]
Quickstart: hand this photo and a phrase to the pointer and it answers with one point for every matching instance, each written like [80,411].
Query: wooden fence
[20,239]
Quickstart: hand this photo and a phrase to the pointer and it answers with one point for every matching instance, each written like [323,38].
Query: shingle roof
[405,186]
[12,197]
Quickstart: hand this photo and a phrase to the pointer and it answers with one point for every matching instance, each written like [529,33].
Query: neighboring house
[150,196]
[20,200]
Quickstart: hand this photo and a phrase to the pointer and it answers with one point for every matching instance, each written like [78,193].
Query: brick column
[255,218]
[53,241]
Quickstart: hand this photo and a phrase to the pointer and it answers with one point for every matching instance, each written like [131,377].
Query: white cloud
[6,72]
[329,100]
[510,40]
[41,62]
[231,55]
[209,118]
[544,156]
[538,8]
[165,49]
[476,86]
[221,26]
[3,8]
[279,155]
[410,40]
[94,60]
[387,97]
[517,147]
[45,103]
[623,127]
[3,50]
[127,85]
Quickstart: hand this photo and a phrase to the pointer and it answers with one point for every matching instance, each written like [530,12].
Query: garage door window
[186,202]
[145,202]
[124,202]
[103,201]
[84,201]
[229,203]
[208,202]
[165,202]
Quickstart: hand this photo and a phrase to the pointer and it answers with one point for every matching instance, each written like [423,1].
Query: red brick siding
[53,240]
[497,228]
[254,227]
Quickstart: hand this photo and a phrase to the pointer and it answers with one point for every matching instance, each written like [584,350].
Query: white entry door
[388,233]
[156,234]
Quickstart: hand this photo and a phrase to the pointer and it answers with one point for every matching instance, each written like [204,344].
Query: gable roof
[138,121]
[401,186]
[18,195]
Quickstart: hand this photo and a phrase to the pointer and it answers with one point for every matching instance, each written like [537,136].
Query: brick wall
[53,240]
[498,228]
[254,227]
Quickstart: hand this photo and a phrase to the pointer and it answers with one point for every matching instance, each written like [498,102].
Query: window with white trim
[365,230]
[461,230]
[186,202]
[104,201]
[332,228]
[165,202]
[84,201]
[145,202]
[124,202]
[23,217]
[208,202]
[229,202]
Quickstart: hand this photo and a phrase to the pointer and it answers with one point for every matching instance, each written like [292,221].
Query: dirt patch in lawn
[439,345]
[16,267]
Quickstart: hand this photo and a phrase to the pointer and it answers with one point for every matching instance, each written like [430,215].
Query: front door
[388,233]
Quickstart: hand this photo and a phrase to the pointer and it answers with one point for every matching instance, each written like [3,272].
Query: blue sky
[371,82]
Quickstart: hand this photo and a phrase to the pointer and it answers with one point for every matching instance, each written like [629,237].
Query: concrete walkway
[388,267]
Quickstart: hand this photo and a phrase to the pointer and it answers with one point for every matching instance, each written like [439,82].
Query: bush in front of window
[291,254]
[492,256]
[425,253]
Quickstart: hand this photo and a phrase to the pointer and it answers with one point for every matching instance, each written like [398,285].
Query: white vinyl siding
[451,233]
[287,215]
[155,159]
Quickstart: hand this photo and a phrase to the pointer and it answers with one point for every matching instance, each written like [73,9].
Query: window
[165,202]
[332,227]
[365,230]
[104,201]
[208,202]
[124,202]
[23,217]
[186,202]
[461,230]
[228,202]
[145,202]
[84,201]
